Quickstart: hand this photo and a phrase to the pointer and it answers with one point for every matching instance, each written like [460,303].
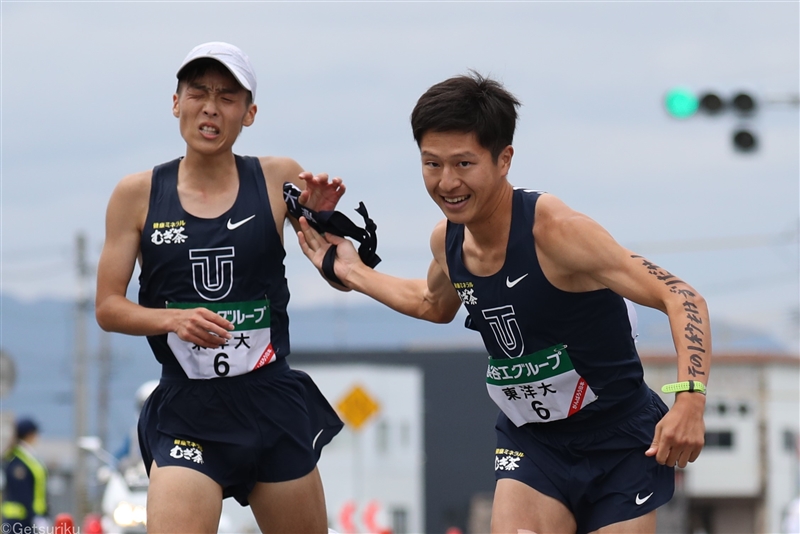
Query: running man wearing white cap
[229,417]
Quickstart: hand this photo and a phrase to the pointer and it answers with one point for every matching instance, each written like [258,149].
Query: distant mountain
[40,337]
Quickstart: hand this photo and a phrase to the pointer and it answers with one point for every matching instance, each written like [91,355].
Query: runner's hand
[319,194]
[315,246]
[680,434]
[203,327]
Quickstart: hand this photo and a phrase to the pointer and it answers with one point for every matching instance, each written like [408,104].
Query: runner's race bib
[538,388]
[248,349]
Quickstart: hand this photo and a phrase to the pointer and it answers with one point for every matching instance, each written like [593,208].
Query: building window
[790,441]
[399,521]
[405,434]
[719,440]
[382,436]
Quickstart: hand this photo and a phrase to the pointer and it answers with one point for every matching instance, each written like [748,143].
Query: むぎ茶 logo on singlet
[188,450]
[466,292]
[507,460]
[212,271]
[167,233]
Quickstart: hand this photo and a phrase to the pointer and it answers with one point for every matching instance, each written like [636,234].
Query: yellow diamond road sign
[357,406]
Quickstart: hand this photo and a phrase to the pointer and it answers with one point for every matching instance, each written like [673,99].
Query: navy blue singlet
[518,312]
[236,257]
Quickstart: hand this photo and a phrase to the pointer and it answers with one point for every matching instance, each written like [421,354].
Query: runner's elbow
[103,321]
[104,315]
[440,315]
[700,302]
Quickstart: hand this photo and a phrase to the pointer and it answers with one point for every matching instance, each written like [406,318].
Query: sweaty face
[460,175]
[212,111]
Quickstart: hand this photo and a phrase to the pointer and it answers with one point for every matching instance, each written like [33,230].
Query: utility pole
[79,377]
[103,381]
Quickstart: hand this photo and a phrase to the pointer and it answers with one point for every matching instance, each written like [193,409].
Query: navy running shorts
[268,425]
[602,476]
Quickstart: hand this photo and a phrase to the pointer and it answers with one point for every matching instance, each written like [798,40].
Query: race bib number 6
[248,349]
[538,388]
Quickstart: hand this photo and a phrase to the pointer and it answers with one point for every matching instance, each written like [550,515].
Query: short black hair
[468,103]
[202,66]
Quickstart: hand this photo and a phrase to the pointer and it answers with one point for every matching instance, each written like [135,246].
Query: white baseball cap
[231,56]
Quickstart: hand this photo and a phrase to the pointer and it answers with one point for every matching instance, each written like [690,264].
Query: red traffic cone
[63,524]
[92,524]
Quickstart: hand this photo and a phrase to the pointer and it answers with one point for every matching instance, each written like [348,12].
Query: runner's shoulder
[280,168]
[134,186]
[555,220]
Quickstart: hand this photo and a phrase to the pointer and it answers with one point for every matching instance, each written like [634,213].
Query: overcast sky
[87,88]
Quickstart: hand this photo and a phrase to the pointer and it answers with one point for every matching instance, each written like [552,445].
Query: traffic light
[682,103]
[744,140]
[711,103]
[744,104]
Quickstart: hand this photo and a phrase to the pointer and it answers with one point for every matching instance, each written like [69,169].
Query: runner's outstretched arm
[432,299]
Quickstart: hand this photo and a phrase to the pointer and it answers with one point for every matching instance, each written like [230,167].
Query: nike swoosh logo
[313,443]
[640,502]
[509,283]
[234,226]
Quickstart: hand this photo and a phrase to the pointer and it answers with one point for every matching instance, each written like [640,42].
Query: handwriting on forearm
[694,333]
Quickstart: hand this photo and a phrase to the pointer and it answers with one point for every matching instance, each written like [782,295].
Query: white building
[748,472]
[373,471]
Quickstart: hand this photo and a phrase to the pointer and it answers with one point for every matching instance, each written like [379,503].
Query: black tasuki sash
[337,223]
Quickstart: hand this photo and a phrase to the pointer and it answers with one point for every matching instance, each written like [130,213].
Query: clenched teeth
[209,129]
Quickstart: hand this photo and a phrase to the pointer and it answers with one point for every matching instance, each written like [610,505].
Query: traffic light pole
[789,100]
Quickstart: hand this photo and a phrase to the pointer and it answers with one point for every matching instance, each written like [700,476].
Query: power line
[752,283]
[38,253]
[709,244]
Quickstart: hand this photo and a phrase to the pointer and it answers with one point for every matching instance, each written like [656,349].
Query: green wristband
[689,385]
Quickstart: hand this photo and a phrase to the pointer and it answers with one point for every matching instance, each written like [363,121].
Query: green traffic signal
[681,103]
